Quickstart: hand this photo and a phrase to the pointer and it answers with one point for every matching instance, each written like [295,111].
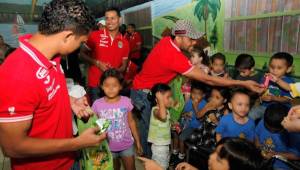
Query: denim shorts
[124,153]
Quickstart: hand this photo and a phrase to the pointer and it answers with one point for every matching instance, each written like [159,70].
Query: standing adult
[105,48]
[135,43]
[164,62]
[35,109]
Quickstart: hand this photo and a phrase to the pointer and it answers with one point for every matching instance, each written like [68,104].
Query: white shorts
[161,155]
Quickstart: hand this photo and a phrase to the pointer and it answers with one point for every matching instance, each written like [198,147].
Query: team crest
[120,44]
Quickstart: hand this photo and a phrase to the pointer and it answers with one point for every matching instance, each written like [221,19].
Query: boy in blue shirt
[280,65]
[237,123]
[190,115]
[271,137]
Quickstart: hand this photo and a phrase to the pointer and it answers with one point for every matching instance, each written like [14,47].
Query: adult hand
[185,166]
[81,107]
[253,86]
[150,164]
[102,66]
[90,138]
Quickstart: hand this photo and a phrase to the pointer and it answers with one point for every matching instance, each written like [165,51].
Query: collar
[35,55]
[217,74]
[106,33]
[174,45]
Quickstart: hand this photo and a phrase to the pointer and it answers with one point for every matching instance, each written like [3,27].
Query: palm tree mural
[206,8]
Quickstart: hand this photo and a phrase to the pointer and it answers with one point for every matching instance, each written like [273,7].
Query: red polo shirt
[134,40]
[107,50]
[164,62]
[34,88]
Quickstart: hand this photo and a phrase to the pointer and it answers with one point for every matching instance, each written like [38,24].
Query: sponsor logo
[42,73]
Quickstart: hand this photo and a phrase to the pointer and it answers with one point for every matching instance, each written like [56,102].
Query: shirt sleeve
[19,98]
[221,126]
[284,92]
[129,104]
[90,44]
[180,64]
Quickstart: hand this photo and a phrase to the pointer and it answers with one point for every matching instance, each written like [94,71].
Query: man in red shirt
[135,43]
[164,62]
[105,48]
[35,108]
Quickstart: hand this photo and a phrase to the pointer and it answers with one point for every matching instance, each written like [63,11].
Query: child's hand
[139,149]
[185,166]
[294,111]
[150,164]
[159,96]
[291,124]
[266,98]
[213,118]
[80,107]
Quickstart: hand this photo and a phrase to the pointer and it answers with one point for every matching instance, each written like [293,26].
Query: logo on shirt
[268,145]
[120,44]
[42,73]
[11,110]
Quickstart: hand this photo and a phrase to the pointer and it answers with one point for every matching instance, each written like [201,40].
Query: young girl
[199,59]
[123,132]
[218,62]
[237,124]
[205,136]
[159,130]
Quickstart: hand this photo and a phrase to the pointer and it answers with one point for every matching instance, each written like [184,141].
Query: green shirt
[159,131]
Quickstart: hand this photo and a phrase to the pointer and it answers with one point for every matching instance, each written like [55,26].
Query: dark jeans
[140,101]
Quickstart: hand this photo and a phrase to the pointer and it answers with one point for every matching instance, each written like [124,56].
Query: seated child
[217,62]
[159,131]
[190,114]
[271,137]
[199,59]
[205,136]
[292,121]
[280,65]
[237,123]
[245,65]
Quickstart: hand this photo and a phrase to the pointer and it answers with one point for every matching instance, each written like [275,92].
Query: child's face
[218,66]
[111,87]
[196,95]
[240,104]
[217,97]
[196,59]
[278,67]
[246,72]
[217,163]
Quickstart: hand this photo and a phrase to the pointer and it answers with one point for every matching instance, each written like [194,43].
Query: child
[271,137]
[280,64]
[159,130]
[117,109]
[292,121]
[211,114]
[199,59]
[237,124]
[218,62]
[190,114]
[245,65]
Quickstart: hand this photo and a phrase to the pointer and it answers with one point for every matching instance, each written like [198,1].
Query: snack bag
[99,157]
[177,108]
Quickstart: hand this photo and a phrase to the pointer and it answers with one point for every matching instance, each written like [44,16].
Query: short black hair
[159,87]
[241,154]
[274,115]
[199,86]
[219,56]
[117,10]
[244,61]
[284,56]
[236,91]
[61,15]
[111,73]
[132,25]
